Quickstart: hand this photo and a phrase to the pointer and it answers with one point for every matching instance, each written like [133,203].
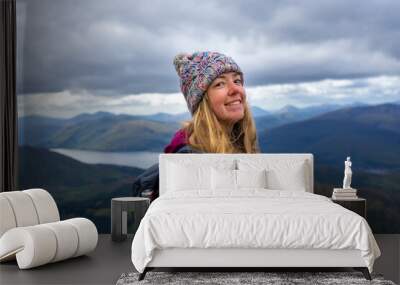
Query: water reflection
[140,159]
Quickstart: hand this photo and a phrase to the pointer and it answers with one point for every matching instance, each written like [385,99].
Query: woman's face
[227,97]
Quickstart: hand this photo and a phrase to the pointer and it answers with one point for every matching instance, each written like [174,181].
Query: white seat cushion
[7,220]
[67,238]
[45,205]
[40,244]
[33,246]
[87,234]
[23,208]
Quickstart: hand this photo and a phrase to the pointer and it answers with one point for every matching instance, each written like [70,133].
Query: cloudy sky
[79,56]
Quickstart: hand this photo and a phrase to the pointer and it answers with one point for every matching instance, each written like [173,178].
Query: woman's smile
[235,102]
[234,106]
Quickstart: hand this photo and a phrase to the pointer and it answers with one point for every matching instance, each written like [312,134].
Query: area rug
[269,278]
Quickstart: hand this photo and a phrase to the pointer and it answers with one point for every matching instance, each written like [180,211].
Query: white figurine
[347,174]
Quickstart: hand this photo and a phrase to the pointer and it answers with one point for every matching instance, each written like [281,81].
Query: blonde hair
[207,134]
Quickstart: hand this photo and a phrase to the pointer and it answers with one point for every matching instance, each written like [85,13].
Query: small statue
[347,174]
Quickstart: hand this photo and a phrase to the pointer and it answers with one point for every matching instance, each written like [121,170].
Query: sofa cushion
[46,207]
[7,220]
[41,244]
[23,208]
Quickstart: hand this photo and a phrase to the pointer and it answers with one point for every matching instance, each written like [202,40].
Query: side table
[120,207]
[358,206]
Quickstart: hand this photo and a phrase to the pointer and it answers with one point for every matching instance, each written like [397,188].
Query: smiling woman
[212,85]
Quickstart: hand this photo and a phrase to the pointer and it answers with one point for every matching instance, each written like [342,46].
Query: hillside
[79,189]
[370,135]
[100,132]
[290,114]
[33,130]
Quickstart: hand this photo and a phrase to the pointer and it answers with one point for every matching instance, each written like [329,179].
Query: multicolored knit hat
[198,70]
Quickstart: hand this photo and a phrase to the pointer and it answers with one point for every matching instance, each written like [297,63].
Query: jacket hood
[178,141]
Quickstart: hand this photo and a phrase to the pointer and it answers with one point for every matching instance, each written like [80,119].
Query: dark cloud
[127,47]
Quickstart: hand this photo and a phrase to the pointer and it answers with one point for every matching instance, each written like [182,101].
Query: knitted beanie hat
[198,70]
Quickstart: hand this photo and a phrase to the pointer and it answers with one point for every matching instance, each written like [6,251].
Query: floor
[110,260]
[102,266]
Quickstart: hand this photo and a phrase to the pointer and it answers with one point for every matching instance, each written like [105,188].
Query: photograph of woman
[213,87]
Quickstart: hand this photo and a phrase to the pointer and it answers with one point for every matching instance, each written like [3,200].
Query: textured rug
[269,278]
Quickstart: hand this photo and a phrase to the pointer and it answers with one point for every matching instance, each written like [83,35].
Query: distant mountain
[89,117]
[100,131]
[382,117]
[308,112]
[370,135]
[313,111]
[79,189]
[33,130]
[268,122]
[258,112]
[287,109]
[290,114]
[105,131]
[359,104]
[115,134]
[165,117]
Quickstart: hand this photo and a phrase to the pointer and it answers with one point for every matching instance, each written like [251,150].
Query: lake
[140,159]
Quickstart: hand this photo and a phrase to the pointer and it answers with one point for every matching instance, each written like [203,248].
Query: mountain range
[290,114]
[103,131]
[369,134]
[100,131]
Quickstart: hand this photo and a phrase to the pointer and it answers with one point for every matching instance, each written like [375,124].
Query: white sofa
[31,231]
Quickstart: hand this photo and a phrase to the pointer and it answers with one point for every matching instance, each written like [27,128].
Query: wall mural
[98,96]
